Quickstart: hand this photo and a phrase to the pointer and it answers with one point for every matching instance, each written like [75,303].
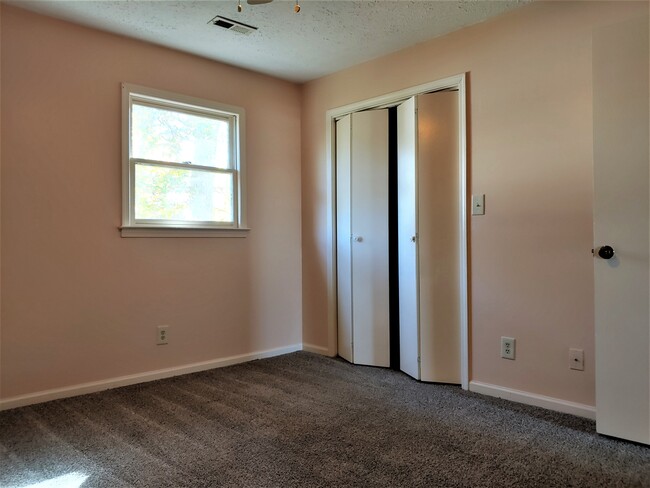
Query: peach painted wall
[530,152]
[0,201]
[80,303]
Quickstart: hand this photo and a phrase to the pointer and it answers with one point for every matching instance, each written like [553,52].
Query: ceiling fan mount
[296,7]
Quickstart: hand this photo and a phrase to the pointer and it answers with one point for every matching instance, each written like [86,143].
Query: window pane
[166,135]
[163,193]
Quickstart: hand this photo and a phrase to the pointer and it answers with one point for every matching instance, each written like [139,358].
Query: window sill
[143,231]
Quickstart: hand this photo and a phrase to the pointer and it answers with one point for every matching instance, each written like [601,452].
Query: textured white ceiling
[326,36]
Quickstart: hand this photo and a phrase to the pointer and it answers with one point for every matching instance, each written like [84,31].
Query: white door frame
[389,99]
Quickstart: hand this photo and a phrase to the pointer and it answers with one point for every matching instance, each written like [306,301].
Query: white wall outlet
[577,359]
[163,334]
[508,347]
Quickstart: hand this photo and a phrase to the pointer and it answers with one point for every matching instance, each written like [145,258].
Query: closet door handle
[414,238]
[357,239]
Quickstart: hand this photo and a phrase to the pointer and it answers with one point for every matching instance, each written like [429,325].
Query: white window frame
[182,103]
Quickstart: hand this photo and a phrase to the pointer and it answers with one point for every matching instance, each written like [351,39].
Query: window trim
[186,104]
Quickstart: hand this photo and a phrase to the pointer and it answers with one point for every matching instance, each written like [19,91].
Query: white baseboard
[95,386]
[323,351]
[519,396]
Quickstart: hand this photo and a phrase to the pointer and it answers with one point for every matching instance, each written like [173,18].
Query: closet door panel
[407,237]
[369,216]
[343,233]
[439,237]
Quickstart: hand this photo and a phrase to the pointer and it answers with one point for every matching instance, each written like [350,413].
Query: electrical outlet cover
[508,345]
[162,335]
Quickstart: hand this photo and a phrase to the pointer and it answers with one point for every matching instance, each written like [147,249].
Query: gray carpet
[309,421]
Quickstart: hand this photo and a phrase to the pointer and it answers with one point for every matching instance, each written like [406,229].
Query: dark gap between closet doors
[393,269]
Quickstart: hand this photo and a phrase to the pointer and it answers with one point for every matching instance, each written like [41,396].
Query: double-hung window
[183,164]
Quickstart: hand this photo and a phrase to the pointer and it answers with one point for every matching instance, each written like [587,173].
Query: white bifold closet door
[429,237]
[362,237]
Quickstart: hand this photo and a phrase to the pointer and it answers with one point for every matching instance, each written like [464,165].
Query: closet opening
[398,269]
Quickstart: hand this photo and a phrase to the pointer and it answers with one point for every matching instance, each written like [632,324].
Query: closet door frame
[456,82]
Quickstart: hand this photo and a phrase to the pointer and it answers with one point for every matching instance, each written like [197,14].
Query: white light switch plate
[478,204]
